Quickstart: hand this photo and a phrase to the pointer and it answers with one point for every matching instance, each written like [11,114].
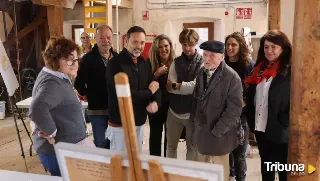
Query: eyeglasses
[71,61]
[85,37]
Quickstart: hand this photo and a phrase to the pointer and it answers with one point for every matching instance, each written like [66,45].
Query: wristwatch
[174,86]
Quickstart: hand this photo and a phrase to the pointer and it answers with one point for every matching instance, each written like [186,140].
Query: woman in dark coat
[268,101]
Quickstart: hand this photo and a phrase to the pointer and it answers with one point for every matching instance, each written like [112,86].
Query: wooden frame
[209,25]
[73,158]
[73,27]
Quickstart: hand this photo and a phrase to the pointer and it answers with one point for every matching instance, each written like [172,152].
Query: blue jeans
[99,127]
[50,163]
[117,138]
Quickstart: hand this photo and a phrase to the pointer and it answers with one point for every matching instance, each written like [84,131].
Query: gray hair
[103,26]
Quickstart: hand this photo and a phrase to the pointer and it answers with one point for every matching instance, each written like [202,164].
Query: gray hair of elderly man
[103,26]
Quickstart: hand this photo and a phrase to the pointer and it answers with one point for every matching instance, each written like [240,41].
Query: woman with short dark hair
[268,101]
[56,109]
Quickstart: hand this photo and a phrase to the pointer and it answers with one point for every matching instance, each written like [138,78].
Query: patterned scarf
[262,71]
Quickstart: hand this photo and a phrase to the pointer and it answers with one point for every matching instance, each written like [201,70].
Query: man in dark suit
[91,83]
[217,108]
[144,90]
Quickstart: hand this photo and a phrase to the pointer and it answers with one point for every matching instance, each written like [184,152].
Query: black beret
[213,46]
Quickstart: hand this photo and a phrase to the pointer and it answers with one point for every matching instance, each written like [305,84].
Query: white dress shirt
[261,104]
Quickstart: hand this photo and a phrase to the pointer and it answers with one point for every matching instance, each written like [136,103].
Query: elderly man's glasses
[85,37]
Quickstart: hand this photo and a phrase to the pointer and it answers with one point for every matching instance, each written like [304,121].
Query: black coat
[140,76]
[278,109]
[91,80]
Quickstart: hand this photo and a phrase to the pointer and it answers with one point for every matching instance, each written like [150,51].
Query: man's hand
[169,85]
[153,86]
[152,107]
[85,99]
[42,134]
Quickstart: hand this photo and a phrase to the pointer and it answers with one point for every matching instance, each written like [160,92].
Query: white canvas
[6,71]
[199,170]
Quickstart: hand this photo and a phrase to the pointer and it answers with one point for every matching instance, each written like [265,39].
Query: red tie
[135,60]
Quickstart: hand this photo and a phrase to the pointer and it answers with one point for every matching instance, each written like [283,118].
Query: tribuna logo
[284,167]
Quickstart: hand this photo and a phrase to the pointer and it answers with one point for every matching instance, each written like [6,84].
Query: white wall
[67,27]
[169,21]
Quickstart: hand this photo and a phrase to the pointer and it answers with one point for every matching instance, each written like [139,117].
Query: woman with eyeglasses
[56,109]
[86,44]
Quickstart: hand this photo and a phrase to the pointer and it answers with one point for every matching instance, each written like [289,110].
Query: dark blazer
[278,109]
[140,76]
[216,112]
[91,80]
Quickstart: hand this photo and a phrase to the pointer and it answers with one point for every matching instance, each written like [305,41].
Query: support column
[55,21]
[304,135]
[274,14]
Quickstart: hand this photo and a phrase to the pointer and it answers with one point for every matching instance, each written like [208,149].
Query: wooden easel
[128,124]
[80,163]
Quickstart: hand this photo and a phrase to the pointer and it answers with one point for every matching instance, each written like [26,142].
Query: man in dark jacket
[144,90]
[217,108]
[91,83]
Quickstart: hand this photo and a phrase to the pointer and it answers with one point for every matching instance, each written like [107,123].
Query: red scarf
[258,75]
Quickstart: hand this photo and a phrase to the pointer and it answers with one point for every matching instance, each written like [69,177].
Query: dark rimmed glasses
[70,61]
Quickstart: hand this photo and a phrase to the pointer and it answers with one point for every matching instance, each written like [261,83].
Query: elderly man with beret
[216,108]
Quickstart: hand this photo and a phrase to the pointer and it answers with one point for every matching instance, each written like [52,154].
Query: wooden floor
[10,151]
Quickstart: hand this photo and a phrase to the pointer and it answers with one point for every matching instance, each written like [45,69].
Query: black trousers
[157,121]
[270,151]
[237,158]
[238,163]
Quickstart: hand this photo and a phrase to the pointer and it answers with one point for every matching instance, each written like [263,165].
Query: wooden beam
[58,3]
[304,135]
[55,21]
[274,14]
[109,13]
[122,4]
[25,31]
[126,4]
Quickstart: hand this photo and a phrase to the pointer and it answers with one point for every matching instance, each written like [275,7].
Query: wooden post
[116,168]
[156,171]
[304,143]
[55,20]
[274,14]
[109,13]
[128,124]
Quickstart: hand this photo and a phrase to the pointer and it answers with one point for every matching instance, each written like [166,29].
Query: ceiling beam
[57,3]
[25,31]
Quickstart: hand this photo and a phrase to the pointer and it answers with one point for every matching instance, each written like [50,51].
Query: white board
[6,71]
[6,175]
[93,161]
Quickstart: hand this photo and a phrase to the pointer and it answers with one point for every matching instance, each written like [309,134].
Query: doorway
[76,33]
[204,29]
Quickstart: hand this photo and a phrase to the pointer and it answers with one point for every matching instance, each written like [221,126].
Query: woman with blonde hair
[161,55]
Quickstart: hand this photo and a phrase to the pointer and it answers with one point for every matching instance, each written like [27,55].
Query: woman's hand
[42,134]
[160,71]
